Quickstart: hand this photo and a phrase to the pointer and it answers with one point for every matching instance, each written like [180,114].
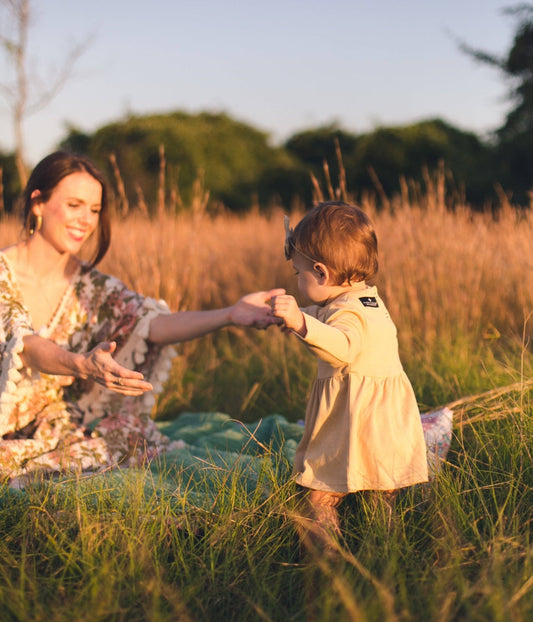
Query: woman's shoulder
[9,254]
[94,280]
[8,261]
[96,276]
[8,251]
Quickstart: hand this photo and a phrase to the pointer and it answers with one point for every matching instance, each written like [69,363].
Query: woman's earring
[38,224]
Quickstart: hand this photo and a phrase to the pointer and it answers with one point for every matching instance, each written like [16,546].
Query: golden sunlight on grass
[441,272]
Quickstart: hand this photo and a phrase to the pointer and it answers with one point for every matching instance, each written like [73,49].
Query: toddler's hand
[286,308]
[254,309]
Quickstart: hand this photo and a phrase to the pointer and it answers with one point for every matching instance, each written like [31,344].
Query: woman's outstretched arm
[251,310]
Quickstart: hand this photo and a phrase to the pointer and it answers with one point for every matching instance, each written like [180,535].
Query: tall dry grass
[441,272]
[458,284]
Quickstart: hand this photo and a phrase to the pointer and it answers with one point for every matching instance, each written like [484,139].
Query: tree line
[241,169]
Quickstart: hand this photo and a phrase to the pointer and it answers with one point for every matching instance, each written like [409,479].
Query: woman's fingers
[110,374]
[123,385]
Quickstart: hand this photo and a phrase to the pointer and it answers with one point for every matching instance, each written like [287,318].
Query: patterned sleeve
[115,313]
[14,326]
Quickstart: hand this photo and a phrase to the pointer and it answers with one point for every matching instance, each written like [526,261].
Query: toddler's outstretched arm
[286,308]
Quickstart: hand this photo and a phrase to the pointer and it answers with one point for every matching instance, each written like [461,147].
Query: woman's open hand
[254,309]
[101,367]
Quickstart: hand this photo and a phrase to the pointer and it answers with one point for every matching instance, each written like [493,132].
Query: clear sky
[280,65]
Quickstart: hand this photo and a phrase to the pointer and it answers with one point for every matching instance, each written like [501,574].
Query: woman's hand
[286,308]
[100,366]
[254,309]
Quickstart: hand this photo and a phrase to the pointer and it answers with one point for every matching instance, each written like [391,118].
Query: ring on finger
[119,381]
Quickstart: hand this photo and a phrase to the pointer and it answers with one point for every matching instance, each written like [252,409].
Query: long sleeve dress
[56,423]
[362,423]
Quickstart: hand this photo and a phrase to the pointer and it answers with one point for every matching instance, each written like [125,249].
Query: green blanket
[215,456]
[218,454]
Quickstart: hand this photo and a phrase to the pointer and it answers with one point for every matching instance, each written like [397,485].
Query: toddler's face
[310,281]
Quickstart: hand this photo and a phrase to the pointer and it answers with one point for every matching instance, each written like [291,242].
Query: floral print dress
[57,423]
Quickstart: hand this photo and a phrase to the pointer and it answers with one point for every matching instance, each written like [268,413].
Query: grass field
[459,287]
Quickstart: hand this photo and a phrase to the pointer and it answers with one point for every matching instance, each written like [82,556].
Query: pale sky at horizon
[282,66]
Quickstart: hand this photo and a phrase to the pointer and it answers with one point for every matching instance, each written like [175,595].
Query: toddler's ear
[322,271]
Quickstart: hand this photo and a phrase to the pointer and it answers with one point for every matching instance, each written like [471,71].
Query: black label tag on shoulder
[369,301]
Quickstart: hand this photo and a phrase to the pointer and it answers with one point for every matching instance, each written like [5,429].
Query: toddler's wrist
[300,326]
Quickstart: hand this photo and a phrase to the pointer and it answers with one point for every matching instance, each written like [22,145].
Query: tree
[391,152]
[517,67]
[21,97]
[9,183]
[514,157]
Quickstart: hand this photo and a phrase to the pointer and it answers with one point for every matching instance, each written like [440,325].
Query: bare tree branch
[521,10]
[27,93]
[44,95]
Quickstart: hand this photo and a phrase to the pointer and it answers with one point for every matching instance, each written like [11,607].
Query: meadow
[459,286]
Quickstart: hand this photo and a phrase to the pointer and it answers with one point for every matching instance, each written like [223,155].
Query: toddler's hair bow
[289,243]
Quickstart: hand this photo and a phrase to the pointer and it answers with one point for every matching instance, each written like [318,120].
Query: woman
[76,346]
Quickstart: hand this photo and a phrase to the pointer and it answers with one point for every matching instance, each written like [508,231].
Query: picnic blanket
[213,455]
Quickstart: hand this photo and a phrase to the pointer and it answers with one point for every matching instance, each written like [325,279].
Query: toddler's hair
[342,237]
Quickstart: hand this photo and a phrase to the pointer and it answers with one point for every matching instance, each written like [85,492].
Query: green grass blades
[137,548]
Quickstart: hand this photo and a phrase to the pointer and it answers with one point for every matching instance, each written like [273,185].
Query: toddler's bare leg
[383,501]
[319,510]
[318,529]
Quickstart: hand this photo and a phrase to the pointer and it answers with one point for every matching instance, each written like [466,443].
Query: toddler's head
[339,235]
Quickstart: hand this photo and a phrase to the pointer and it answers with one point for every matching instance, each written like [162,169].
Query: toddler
[362,423]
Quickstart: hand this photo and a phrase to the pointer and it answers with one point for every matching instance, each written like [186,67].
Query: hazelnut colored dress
[362,424]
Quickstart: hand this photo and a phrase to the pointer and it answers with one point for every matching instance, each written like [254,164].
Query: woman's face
[72,212]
